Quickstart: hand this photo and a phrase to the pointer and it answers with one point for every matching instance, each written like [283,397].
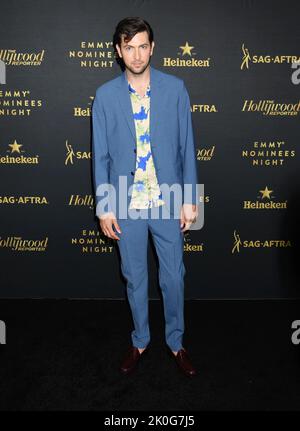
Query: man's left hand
[188,215]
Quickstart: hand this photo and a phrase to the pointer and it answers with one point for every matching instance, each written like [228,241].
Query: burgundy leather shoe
[184,363]
[131,359]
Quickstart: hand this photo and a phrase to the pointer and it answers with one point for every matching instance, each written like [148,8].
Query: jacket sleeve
[100,155]
[187,148]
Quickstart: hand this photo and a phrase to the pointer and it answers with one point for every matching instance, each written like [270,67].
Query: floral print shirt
[145,190]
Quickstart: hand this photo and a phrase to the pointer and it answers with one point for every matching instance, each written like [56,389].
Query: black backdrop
[245,156]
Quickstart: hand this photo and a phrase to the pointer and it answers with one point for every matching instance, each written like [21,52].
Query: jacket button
[132,173]
[134,150]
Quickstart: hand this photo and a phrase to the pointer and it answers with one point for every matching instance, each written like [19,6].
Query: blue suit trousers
[169,245]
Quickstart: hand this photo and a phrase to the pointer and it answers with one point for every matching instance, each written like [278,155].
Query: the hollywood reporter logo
[296,334]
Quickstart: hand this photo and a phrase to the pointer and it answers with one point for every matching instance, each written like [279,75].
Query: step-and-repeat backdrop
[238,59]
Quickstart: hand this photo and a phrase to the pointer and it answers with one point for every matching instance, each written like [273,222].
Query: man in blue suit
[145,178]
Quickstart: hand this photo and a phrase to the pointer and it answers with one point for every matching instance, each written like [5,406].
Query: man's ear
[119,50]
[152,47]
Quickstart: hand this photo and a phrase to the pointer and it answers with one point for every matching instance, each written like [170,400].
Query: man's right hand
[107,221]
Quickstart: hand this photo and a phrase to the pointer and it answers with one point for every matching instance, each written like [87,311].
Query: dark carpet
[64,355]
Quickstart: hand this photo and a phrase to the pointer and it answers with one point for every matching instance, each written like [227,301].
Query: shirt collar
[132,90]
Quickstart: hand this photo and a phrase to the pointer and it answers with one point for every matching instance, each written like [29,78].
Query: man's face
[136,53]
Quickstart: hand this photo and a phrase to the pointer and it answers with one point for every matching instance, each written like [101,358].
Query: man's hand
[188,215]
[107,221]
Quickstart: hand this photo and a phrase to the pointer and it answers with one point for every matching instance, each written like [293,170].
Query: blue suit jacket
[171,139]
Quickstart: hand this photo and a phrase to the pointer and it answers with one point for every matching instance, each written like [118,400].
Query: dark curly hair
[129,27]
